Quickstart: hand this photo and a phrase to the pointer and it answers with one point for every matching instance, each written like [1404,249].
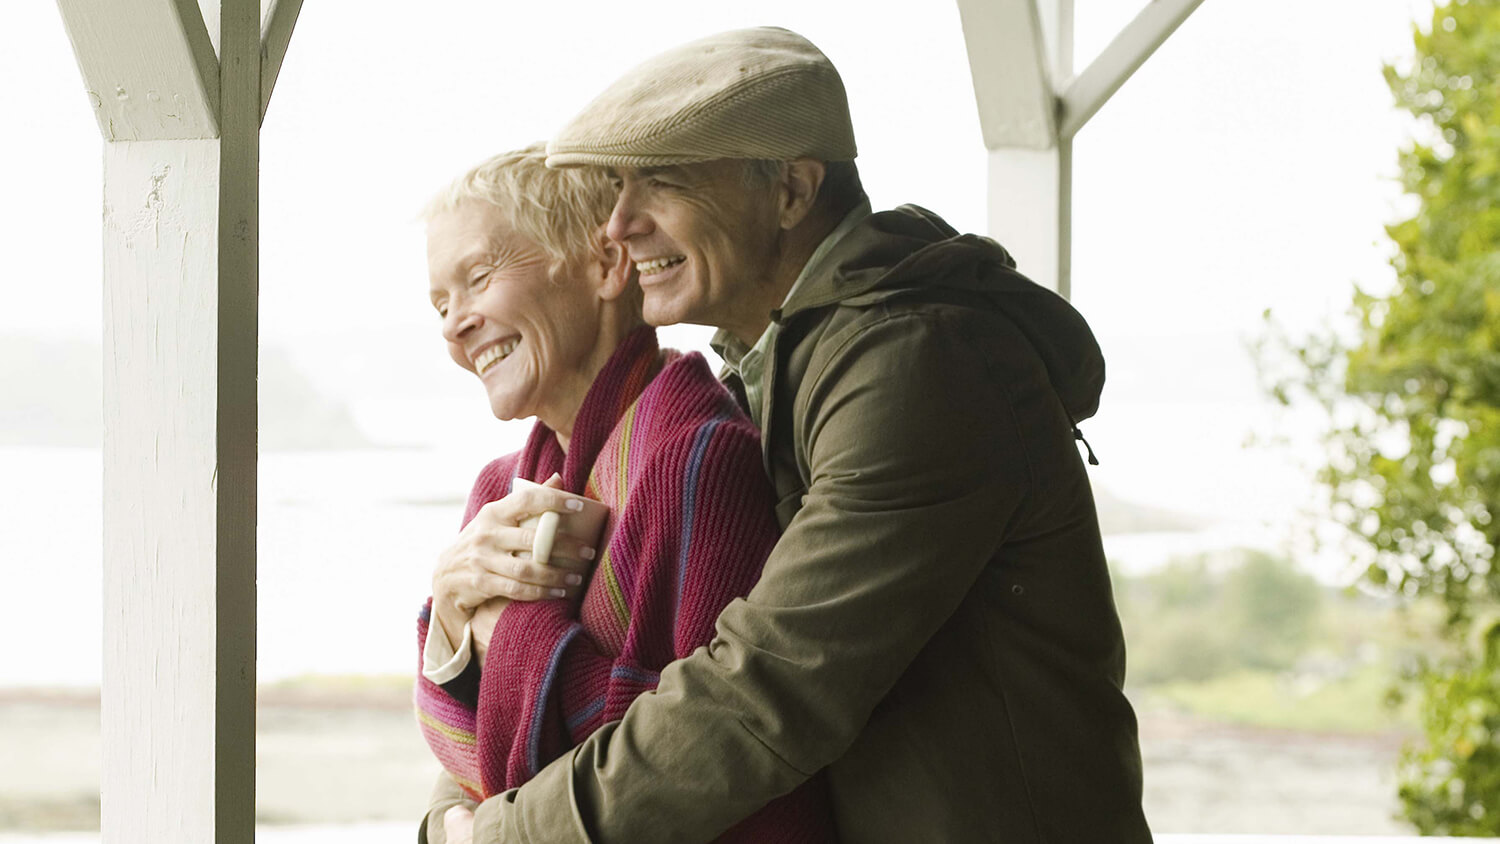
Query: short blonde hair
[561,211]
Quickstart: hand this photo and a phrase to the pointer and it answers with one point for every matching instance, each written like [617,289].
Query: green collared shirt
[750,363]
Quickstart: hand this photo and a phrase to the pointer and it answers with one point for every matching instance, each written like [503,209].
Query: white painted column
[181,218]
[1019,50]
[166,670]
[1021,57]
[1030,210]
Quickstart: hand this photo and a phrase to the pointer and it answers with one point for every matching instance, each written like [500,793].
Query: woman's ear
[612,268]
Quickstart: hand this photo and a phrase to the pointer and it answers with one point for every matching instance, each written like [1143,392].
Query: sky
[1248,165]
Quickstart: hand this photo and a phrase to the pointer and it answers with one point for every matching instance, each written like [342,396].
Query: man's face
[703,242]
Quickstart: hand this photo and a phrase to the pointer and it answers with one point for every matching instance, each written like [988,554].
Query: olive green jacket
[936,627]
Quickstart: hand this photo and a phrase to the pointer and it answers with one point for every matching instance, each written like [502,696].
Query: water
[347,541]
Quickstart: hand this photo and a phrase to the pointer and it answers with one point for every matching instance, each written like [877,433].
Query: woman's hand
[491,558]
[486,616]
[458,825]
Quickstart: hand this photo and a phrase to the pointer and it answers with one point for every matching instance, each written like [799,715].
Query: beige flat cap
[750,93]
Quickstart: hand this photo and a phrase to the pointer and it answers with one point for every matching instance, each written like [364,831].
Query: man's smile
[656,265]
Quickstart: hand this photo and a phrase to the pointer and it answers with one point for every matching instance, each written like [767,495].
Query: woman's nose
[458,322]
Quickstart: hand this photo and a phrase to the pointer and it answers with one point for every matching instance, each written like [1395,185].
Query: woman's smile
[493,354]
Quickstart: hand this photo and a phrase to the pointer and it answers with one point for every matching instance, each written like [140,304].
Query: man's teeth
[656,265]
[494,354]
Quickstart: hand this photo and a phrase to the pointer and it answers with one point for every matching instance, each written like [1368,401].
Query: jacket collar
[910,251]
[871,254]
[731,348]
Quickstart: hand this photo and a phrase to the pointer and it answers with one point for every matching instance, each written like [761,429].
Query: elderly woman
[545,311]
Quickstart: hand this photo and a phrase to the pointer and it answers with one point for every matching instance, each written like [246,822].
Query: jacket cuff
[541,810]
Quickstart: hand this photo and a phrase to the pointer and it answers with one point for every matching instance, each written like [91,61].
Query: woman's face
[527,334]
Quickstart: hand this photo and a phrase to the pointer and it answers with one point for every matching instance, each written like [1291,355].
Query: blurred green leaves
[1205,617]
[1412,393]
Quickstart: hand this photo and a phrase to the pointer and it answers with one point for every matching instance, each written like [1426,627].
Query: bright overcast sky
[1248,165]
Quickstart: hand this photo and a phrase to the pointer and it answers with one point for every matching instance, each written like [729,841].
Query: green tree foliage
[1272,609]
[1451,784]
[1414,397]
[1415,462]
[1193,620]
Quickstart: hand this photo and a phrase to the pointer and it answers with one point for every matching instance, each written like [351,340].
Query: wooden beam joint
[148,65]
[275,37]
[1009,64]
[1122,58]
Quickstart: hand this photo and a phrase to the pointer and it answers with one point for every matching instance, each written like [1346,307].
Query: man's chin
[664,313]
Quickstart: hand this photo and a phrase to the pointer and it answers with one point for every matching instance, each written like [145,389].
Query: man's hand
[492,559]
[458,825]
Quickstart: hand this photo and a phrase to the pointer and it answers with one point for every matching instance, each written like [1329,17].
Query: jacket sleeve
[916,469]
[445,795]
[698,525]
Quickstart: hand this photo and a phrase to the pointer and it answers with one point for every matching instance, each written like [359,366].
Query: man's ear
[801,179]
[610,268]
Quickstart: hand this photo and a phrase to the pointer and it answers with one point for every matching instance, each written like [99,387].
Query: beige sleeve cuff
[440,662]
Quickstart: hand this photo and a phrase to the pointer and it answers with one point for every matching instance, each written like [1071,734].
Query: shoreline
[347,751]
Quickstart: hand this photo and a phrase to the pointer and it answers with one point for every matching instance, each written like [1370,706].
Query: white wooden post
[181,192]
[1014,73]
[1020,56]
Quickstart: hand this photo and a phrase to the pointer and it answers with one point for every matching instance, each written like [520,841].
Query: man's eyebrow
[659,170]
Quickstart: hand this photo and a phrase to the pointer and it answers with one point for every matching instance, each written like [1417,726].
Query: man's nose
[626,220]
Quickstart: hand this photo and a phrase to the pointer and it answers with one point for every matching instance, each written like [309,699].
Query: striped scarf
[660,441]
[691,522]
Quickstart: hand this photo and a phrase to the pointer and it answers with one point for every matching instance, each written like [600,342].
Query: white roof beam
[1057,29]
[1123,57]
[1009,63]
[149,66]
[275,36]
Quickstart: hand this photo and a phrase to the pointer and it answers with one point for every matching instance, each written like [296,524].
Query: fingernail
[575,504]
[559,593]
[588,553]
[573,580]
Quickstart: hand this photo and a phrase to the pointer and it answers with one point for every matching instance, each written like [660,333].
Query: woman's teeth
[494,354]
[656,265]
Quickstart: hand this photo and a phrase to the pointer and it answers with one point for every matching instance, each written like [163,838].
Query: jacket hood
[911,251]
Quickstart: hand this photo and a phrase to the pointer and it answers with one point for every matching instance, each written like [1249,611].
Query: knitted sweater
[691,521]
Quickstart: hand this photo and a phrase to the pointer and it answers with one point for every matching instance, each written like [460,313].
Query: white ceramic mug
[586,524]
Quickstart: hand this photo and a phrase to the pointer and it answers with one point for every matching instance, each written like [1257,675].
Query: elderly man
[935,629]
